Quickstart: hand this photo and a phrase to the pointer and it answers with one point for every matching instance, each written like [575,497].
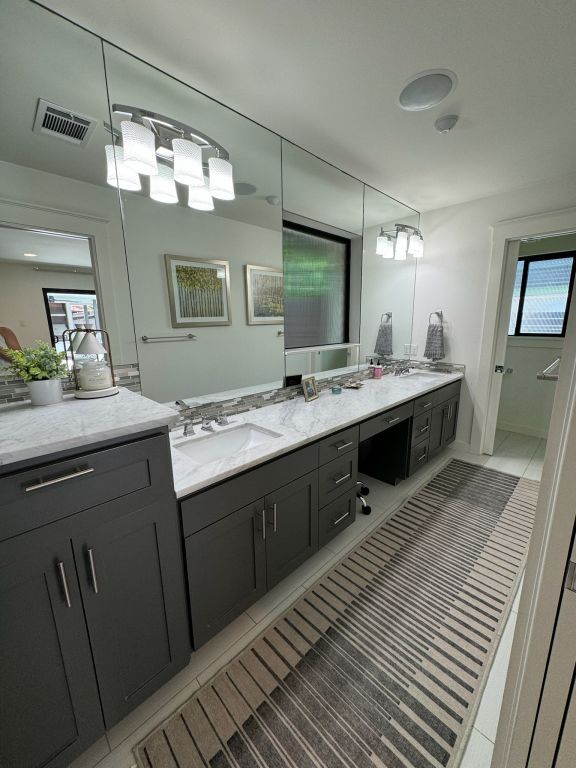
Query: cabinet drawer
[337,516]
[206,507]
[421,427]
[448,392]
[436,397]
[337,477]
[424,403]
[338,444]
[385,420]
[34,497]
[418,456]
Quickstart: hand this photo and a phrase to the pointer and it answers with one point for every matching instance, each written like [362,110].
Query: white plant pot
[45,392]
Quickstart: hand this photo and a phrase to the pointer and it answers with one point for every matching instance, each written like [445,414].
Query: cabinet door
[226,570]
[450,420]
[49,706]
[436,430]
[292,528]
[132,581]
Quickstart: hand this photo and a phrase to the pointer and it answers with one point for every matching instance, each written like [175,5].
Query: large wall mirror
[203,236]
[388,282]
[62,260]
[322,244]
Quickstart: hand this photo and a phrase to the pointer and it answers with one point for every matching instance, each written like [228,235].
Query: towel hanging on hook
[435,337]
[383,346]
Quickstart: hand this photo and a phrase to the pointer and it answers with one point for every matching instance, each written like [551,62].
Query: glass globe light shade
[221,179]
[162,186]
[118,174]
[188,163]
[139,148]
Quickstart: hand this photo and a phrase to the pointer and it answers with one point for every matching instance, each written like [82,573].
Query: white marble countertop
[299,423]
[27,431]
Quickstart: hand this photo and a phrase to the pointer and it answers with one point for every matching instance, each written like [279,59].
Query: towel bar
[185,337]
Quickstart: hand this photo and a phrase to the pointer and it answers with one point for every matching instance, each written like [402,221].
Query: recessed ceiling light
[31,255]
[427,89]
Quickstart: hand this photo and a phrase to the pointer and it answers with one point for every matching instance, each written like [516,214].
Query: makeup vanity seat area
[92,592]
[244,535]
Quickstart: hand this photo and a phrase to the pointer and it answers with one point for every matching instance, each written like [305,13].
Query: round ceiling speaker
[427,90]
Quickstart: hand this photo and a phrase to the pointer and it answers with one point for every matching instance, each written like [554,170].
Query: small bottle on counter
[371,368]
[377,370]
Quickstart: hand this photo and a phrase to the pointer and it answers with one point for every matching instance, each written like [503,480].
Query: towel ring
[388,316]
[439,313]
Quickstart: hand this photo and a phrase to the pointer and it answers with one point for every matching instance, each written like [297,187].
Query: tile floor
[514,453]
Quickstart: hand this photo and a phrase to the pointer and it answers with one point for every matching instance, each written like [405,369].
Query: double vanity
[124,546]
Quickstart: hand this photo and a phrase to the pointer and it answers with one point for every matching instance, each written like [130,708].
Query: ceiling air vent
[61,122]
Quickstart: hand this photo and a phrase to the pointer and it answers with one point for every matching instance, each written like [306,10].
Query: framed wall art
[198,291]
[264,295]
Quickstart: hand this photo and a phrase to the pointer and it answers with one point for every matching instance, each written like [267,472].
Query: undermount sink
[420,374]
[204,448]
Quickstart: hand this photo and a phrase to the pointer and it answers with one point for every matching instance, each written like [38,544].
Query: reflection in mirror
[387,283]
[55,204]
[322,245]
[46,286]
[201,198]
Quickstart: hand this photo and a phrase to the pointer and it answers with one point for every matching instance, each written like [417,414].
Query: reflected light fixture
[398,243]
[118,174]
[187,156]
[188,163]
[200,198]
[221,180]
[162,187]
[139,148]
[384,245]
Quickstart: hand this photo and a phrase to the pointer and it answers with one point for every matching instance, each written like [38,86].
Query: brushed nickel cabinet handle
[62,479]
[342,517]
[274,518]
[424,429]
[93,571]
[392,421]
[421,458]
[64,583]
[341,479]
[264,524]
[343,445]
[426,405]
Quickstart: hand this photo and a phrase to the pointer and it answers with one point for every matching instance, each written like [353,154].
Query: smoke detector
[63,123]
[446,123]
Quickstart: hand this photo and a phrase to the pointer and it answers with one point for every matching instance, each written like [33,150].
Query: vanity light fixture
[200,198]
[187,157]
[118,174]
[162,186]
[400,242]
[139,148]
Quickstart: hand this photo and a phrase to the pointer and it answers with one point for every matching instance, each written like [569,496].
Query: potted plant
[41,368]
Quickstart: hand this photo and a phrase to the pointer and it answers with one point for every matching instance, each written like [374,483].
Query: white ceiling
[327,74]
[47,248]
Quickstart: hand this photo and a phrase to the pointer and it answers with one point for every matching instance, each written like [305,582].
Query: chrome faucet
[207,424]
[188,429]
[222,420]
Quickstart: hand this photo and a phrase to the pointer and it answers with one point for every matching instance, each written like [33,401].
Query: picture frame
[198,291]
[309,388]
[264,295]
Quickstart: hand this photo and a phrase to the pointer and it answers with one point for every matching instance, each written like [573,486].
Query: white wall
[34,198]
[22,302]
[222,357]
[453,275]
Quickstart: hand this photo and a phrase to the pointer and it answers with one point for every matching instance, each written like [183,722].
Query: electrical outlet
[411,349]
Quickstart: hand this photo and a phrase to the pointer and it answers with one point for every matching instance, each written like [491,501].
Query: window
[541,296]
[316,287]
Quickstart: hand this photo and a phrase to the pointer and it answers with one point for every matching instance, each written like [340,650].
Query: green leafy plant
[37,363]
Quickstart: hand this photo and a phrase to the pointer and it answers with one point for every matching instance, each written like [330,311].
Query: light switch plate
[411,349]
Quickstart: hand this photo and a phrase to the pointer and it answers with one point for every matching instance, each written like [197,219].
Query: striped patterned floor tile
[382,661]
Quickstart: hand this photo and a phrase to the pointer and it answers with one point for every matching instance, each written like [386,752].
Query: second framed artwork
[199,291]
[264,295]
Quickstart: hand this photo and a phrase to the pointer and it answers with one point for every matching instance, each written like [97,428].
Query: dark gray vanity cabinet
[49,704]
[292,527]
[434,424]
[93,609]
[226,569]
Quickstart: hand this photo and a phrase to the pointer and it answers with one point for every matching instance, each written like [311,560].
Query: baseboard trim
[521,429]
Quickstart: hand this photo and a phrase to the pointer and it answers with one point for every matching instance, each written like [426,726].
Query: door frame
[502,233]
[548,555]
